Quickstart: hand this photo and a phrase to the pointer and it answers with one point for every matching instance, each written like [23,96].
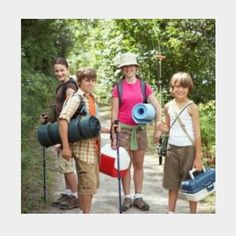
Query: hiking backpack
[120,90]
[81,111]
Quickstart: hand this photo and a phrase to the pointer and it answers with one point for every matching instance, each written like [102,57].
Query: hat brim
[127,64]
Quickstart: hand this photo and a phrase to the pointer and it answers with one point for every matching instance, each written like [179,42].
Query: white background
[13,222]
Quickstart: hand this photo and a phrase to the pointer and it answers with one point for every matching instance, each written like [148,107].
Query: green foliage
[37,91]
[36,88]
[32,186]
[188,44]
[207,120]
[42,40]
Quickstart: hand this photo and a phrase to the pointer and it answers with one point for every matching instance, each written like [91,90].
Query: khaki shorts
[66,166]
[125,138]
[88,177]
[178,162]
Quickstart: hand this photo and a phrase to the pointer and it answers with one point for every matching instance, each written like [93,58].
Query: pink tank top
[132,95]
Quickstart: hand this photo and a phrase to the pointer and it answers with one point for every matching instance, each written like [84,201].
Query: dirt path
[107,201]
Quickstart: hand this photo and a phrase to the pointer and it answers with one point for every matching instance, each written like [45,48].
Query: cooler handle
[193,170]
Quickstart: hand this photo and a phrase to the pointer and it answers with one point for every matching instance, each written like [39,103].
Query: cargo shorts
[125,138]
[88,177]
[66,166]
[178,162]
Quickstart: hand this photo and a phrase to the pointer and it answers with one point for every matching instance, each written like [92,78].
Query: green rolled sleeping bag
[80,128]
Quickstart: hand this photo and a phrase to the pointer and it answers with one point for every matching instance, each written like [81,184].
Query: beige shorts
[88,177]
[66,166]
[178,162]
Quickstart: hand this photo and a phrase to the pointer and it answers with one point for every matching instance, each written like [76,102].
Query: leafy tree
[188,44]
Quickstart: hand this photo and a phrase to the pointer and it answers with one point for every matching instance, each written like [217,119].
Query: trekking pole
[44,177]
[116,122]
[44,116]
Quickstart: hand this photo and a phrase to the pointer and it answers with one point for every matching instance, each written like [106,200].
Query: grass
[210,200]
[32,184]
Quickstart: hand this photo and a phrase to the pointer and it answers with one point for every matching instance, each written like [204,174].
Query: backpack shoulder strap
[120,90]
[81,111]
[143,89]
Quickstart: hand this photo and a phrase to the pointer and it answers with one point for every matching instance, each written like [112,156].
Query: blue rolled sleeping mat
[80,128]
[143,113]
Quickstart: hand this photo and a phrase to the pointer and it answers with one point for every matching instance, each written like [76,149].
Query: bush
[207,120]
[37,92]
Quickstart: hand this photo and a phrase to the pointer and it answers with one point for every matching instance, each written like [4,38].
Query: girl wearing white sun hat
[132,136]
[127,59]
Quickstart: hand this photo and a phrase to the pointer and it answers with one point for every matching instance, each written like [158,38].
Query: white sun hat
[127,59]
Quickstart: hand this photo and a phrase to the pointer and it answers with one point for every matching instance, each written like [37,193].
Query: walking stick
[45,117]
[116,122]
[44,177]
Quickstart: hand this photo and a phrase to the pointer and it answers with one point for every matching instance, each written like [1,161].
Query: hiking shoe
[59,200]
[127,203]
[141,204]
[70,203]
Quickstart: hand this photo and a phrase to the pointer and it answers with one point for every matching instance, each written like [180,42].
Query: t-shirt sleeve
[115,92]
[72,86]
[149,90]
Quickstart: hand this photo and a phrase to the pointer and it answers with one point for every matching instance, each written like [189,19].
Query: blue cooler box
[198,187]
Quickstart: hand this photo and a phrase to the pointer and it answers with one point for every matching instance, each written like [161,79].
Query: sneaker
[141,204]
[70,203]
[127,203]
[61,199]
